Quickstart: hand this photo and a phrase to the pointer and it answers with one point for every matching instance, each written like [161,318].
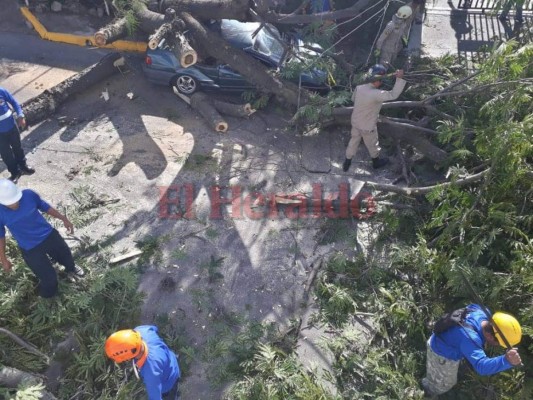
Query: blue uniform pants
[11,150]
[38,259]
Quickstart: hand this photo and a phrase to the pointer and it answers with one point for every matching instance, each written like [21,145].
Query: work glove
[405,41]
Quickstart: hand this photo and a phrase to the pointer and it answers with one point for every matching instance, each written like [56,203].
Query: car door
[229,79]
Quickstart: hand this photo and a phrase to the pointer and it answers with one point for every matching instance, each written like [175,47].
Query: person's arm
[152,381]
[477,357]
[17,108]
[3,259]
[388,95]
[56,214]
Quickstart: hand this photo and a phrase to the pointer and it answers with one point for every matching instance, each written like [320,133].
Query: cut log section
[234,110]
[42,106]
[186,55]
[201,103]
[158,35]
[115,30]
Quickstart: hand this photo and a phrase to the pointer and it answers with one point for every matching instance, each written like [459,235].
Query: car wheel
[185,84]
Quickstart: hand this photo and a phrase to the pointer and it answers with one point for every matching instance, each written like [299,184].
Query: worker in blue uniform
[155,362]
[10,146]
[466,341]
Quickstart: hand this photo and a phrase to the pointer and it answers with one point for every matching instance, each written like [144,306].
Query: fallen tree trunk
[349,12]
[115,30]
[255,72]
[158,35]
[12,378]
[41,107]
[210,9]
[397,131]
[201,103]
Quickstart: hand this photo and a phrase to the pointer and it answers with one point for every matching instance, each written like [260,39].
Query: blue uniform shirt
[160,370]
[6,119]
[461,342]
[26,223]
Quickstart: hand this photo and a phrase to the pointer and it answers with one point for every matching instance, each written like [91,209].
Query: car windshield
[269,43]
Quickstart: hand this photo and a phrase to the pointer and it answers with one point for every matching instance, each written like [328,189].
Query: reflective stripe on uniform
[6,115]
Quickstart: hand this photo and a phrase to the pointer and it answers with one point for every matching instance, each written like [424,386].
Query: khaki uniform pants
[441,373]
[369,137]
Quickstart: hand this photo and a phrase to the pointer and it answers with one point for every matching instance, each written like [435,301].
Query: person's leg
[7,153]
[371,142]
[40,264]
[57,248]
[441,373]
[353,144]
[351,150]
[18,152]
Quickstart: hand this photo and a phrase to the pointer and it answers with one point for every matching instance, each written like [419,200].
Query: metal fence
[490,4]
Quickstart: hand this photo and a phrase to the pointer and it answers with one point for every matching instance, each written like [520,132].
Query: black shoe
[379,162]
[346,164]
[75,275]
[15,177]
[27,170]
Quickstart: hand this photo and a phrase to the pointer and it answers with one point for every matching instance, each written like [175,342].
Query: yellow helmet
[509,327]
[404,12]
[123,345]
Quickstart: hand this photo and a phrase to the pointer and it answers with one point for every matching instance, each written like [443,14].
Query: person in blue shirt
[10,146]
[466,341]
[20,212]
[157,364]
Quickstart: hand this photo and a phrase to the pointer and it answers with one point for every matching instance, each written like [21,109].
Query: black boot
[346,164]
[15,177]
[379,162]
[26,170]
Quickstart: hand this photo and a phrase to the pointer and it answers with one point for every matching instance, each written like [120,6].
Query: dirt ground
[125,150]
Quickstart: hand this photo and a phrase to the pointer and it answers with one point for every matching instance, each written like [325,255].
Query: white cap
[9,192]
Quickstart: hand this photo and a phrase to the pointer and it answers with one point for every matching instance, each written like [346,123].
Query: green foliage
[485,229]
[106,299]
[273,375]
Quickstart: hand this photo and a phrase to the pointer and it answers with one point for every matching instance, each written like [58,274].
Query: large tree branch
[30,347]
[210,9]
[318,17]
[254,72]
[415,191]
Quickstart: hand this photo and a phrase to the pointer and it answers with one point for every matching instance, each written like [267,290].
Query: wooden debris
[124,257]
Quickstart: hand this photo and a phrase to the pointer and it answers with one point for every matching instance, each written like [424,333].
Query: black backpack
[449,320]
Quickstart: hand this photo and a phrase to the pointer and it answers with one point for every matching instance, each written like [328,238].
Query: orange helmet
[123,345]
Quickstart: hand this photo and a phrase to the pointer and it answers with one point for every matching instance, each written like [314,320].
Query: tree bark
[233,110]
[201,103]
[415,191]
[42,106]
[210,9]
[158,35]
[255,72]
[185,54]
[348,12]
[12,378]
[115,30]
[402,132]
